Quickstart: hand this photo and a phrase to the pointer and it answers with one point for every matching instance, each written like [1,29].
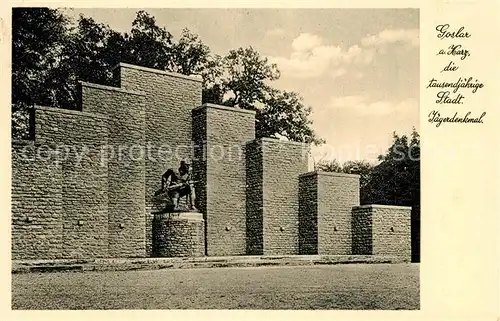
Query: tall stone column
[273,169]
[219,135]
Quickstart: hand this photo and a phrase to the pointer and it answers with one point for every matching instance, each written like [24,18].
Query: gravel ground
[351,286]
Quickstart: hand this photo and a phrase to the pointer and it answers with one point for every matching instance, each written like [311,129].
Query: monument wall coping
[22,142]
[32,143]
[158,71]
[233,109]
[71,112]
[372,206]
[281,141]
[335,174]
[110,88]
[191,216]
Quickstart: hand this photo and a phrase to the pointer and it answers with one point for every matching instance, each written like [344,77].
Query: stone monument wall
[37,203]
[78,174]
[84,186]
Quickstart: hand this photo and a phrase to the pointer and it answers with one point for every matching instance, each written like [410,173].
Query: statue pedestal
[178,234]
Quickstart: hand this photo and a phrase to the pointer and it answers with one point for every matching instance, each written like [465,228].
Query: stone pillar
[170,97]
[326,201]
[273,169]
[178,234]
[84,183]
[125,111]
[382,230]
[219,136]
[308,214]
[255,198]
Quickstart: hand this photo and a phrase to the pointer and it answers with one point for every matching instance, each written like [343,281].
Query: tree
[50,57]
[329,166]
[64,55]
[396,180]
[38,35]
[150,45]
[242,79]
[284,114]
[361,167]
[82,58]
[189,55]
[213,88]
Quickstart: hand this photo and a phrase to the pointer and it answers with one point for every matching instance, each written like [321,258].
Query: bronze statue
[177,184]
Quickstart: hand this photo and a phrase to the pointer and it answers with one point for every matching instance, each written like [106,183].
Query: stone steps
[113,264]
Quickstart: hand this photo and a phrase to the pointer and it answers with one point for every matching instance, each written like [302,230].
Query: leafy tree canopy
[50,56]
[395,180]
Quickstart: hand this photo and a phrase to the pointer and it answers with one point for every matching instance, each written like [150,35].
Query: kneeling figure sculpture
[178,184]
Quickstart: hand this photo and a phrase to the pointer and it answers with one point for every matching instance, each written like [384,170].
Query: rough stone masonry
[83,187]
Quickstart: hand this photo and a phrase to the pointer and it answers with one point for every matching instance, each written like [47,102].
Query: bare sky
[357,68]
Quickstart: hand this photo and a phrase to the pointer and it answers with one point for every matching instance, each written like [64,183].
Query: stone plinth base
[180,234]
